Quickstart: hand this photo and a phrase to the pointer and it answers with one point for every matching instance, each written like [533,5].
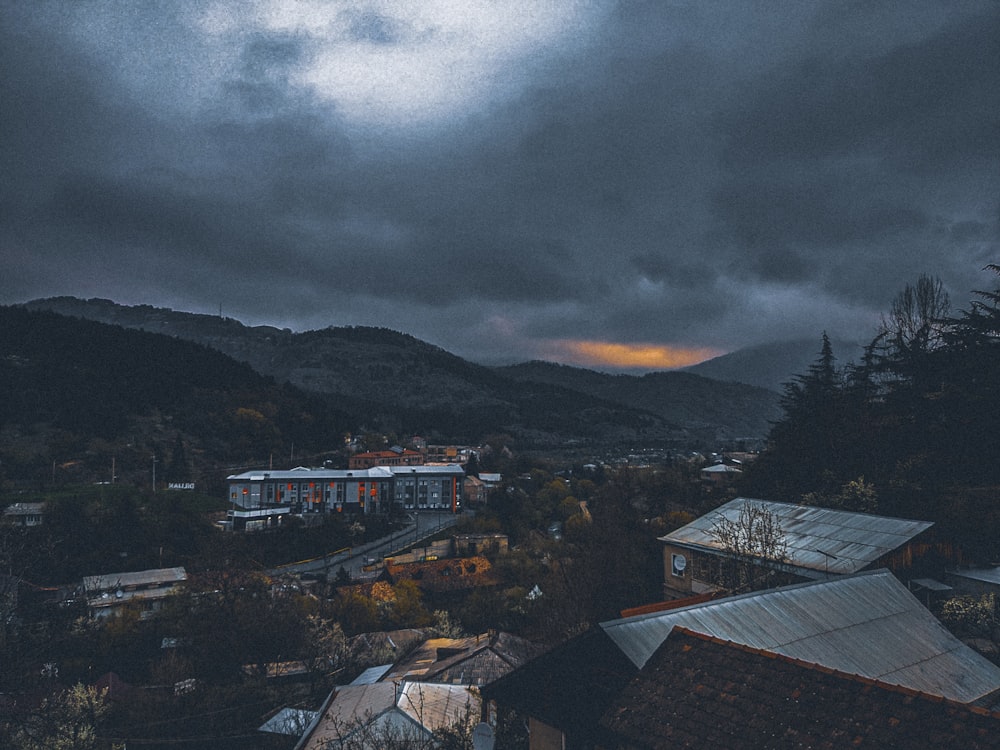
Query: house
[473,490]
[430,687]
[819,543]
[720,476]
[387,714]
[490,480]
[564,692]
[109,595]
[974,581]
[867,624]
[700,691]
[473,660]
[24,515]
[476,544]
[450,454]
[395,456]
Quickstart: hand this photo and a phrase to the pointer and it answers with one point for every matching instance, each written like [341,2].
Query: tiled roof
[699,691]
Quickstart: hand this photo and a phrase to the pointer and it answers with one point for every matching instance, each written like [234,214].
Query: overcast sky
[587,182]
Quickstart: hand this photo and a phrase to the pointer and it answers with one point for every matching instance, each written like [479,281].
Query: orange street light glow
[648,356]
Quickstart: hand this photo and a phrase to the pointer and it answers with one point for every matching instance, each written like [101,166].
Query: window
[678,564]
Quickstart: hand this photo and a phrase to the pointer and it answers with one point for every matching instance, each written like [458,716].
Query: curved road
[423,525]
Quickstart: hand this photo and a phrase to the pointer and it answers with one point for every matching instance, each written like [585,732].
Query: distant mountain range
[390,378]
[772,365]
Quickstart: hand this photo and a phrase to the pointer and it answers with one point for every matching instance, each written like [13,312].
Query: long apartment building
[361,491]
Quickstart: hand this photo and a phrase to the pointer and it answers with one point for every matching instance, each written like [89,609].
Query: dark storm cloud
[676,174]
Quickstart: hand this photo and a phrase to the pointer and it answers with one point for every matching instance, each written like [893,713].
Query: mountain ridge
[394,374]
[772,364]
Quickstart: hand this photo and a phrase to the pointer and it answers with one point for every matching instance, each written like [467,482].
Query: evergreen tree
[804,444]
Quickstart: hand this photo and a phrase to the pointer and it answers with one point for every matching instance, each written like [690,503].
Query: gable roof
[819,541]
[568,687]
[410,709]
[475,660]
[722,469]
[699,691]
[867,624]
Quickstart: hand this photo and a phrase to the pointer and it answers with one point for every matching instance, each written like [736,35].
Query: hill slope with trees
[401,384]
[78,396]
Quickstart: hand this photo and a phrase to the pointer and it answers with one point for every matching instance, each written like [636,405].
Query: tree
[857,496]
[915,322]
[445,627]
[809,439]
[16,552]
[977,616]
[749,543]
[66,721]
[326,649]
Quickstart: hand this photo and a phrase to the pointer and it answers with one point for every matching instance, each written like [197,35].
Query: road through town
[422,525]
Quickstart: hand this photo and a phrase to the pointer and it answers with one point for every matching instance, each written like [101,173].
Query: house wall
[478,544]
[543,737]
[677,583]
[971,586]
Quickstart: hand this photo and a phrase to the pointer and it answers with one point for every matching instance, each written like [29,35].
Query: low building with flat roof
[110,594]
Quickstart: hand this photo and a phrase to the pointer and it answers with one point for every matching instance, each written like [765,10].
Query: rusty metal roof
[819,540]
[866,624]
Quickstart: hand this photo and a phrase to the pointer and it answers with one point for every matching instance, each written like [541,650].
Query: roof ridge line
[815,666]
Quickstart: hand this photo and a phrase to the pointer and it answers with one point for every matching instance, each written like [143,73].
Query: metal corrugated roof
[818,539]
[324,474]
[986,575]
[371,675]
[405,708]
[722,469]
[290,721]
[435,705]
[158,576]
[866,624]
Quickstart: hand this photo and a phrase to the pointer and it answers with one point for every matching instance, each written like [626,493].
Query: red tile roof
[700,691]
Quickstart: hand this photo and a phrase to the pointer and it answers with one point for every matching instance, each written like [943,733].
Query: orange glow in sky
[645,356]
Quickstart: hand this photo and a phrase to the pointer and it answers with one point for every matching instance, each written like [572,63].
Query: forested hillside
[77,396]
[403,385]
[711,411]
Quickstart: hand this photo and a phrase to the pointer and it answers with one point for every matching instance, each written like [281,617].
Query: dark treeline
[910,430]
[76,389]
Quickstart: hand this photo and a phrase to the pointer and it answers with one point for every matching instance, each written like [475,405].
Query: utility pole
[154,473]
